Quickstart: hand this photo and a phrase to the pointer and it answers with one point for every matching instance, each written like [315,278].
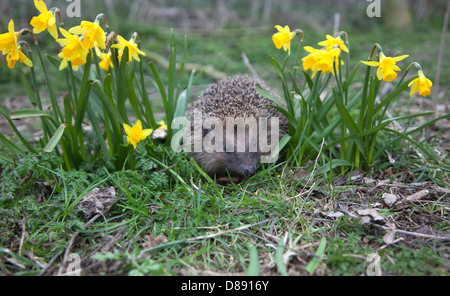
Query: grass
[271,224]
[171,220]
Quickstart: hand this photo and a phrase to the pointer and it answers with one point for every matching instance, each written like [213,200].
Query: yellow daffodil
[133,50]
[326,60]
[320,60]
[106,62]
[92,34]
[283,38]
[45,21]
[136,134]
[74,51]
[331,42]
[11,60]
[386,66]
[421,84]
[310,61]
[162,125]
[76,61]
[8,42]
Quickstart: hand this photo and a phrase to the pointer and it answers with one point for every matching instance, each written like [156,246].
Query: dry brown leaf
[371,212]
[389,199]
[418,195]
[332,214]
[389,237]
[413,197]
[99,201]
[152,241]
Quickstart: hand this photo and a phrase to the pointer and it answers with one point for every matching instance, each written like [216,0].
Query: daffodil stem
[374,47]
[73,85]
[131,157]
[97,66]
[418,67]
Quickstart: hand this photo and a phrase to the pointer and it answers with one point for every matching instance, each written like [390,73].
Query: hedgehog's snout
[244,164]
[249,171]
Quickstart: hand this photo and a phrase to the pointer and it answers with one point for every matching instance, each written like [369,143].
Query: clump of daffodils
[76,43]
[328,58]
[323,59]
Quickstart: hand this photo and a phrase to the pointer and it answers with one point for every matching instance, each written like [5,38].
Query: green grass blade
[418,145]
[279,257]
[312,265]
[253,267]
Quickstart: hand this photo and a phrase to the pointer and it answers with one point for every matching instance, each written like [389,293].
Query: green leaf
[16,131]
[351,76]
[269,96]
[279,257]
[12,147]
[122,91]
[83,96]
[171,78]
[32,113]
[308,79]
[160,85]
[55,139]
[348,121]
[386,101]
[253,267]
[183,99]
[112,113]
[312,265]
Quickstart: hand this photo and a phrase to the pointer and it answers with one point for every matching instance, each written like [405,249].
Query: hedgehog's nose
[249,171]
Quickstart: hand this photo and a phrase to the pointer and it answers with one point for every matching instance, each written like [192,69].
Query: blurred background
[225,37]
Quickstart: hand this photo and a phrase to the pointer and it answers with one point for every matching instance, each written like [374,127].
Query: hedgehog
[232,125]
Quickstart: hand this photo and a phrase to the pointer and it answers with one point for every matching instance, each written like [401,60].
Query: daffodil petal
[53,30]
[127,128]
[414,89]
[11,26]
[63,65]
[40,5]
[399,58]
[147,132]
[370,63]
[379,73]
[279,28]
